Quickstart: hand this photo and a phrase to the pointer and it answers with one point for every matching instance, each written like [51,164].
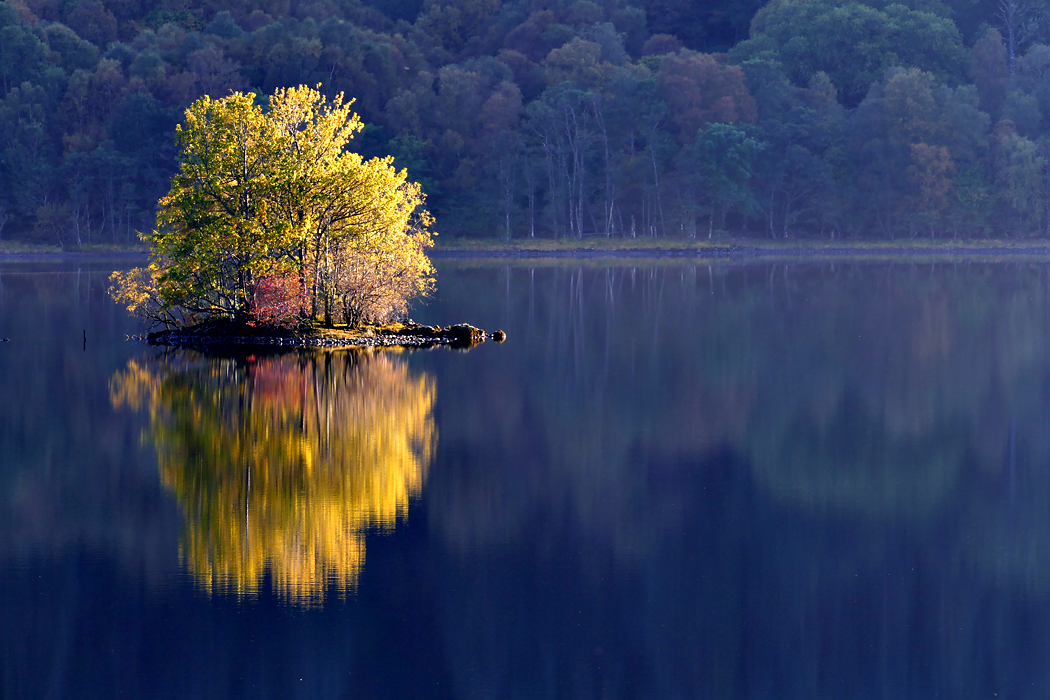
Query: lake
[821,480]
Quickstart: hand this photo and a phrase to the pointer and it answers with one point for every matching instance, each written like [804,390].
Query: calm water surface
[672,481]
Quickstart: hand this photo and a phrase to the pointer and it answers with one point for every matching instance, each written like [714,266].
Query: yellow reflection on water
[281,463]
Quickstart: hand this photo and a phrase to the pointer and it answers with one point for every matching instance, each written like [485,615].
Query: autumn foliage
[701,89]
[271,219]
[278,300]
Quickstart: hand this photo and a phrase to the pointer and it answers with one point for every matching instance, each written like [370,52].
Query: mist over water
[745,481]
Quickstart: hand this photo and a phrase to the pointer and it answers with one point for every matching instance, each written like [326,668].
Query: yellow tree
[376,261]
[313,196]
[275,193]
[361,230]
[216,229]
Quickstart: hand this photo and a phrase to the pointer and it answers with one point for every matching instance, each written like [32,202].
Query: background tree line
[557,118]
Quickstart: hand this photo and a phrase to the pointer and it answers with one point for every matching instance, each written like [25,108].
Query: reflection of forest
[782,476]
[866,390]
[281,463]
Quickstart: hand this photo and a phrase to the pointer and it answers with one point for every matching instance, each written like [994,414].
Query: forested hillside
[554,118]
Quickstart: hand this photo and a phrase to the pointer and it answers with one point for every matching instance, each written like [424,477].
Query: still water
[672,481]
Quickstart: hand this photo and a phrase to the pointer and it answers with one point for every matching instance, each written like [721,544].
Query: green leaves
[855,43]
[722,161]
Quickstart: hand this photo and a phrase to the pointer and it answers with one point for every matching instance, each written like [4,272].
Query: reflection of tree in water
[280,464]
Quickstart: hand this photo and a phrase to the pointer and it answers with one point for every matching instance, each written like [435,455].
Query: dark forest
[551,118]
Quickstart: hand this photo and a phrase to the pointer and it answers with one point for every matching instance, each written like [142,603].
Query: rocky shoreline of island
[416,335]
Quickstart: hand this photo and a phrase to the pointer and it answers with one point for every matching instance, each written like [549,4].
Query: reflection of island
[280,464]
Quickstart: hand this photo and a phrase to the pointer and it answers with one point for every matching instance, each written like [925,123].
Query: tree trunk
[656,182]
[530,185]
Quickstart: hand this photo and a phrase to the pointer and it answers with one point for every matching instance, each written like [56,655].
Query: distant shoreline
[673,248]
[45,255]
[740,253]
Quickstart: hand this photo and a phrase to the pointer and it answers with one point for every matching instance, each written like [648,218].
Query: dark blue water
[752,481]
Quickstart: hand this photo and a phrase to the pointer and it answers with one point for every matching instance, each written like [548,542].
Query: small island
[274,233]
[408,334]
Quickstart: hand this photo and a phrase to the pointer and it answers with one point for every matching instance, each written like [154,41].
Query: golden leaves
[276,192]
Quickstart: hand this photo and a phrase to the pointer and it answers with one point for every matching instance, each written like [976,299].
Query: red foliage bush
[278,300]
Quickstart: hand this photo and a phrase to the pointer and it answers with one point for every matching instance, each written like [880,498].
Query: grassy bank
[12,248]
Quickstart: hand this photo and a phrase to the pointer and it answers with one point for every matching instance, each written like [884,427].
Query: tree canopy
[568,118]
[271,219]
[854,43]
